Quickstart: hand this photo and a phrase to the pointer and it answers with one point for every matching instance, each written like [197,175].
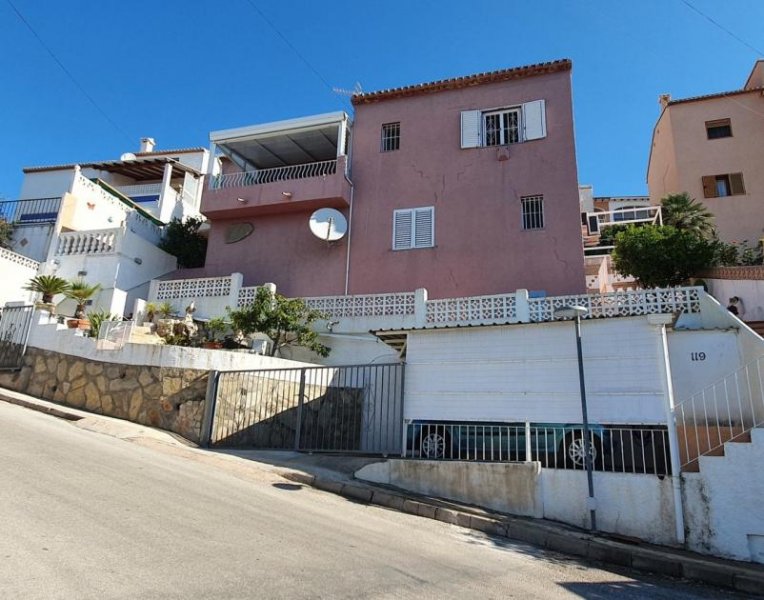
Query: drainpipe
[348,163]
[676,477]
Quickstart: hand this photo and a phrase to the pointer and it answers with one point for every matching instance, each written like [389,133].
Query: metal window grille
[391,137]
[533,212]
[501,127]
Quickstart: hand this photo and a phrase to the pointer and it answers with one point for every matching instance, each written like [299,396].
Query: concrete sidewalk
[334,473]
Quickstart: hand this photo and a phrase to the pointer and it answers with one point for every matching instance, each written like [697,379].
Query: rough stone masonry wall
[168,398]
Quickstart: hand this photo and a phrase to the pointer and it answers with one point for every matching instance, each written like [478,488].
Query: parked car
[554,444]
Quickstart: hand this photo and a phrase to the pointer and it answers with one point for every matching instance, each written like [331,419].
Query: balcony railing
[261,176]
[35,210]
[140,190]
[595,221]
[100,241]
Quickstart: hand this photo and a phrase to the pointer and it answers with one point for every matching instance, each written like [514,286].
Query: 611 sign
[696,356]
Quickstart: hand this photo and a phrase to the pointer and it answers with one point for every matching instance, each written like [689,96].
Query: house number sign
[696,356]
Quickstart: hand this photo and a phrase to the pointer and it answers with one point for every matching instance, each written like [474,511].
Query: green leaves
[661,256]
[687,214]
[183,240]
[48,286]
[6,233]
[287,321]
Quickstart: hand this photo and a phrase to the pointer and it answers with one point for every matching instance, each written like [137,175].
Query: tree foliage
[48,286]
[287,321]
[183,240]
[687,214]
[662,256]
[6,233]
[81,292]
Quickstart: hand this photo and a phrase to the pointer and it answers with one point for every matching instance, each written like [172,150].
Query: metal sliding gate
[15,323]
[353,409]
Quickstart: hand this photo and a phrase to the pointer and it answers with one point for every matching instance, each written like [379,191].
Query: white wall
[530,372]
[690,371]
[32,240]
[635,505]
[16,273]
[46,184]
[750,291]
[722,503]
[346,350]
[60,339]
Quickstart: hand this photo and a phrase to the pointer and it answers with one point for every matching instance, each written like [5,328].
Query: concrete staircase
[144,334]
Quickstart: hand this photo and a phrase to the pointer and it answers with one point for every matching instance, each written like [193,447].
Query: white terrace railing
[97,241]
[19,259]
[725,411]
[247,178]
[413,309]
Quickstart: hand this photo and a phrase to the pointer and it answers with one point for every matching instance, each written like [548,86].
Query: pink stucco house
[464,186]
[711,147]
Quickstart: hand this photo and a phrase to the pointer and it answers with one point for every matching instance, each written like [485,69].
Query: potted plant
[80,292]
[214,330]
[151,311]
[48,286]
[165,325]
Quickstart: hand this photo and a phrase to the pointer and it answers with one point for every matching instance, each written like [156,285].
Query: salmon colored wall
[480,247]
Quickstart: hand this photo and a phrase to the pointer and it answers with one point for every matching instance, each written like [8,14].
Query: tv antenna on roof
[357,89]
[328,224]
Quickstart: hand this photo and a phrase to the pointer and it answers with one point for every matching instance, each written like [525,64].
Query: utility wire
[295,50]
[723,28]
[68,73]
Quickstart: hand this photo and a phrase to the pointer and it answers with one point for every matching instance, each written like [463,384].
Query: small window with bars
[414,228]
[721,128]
[501,127]
[391,137]
[533,212]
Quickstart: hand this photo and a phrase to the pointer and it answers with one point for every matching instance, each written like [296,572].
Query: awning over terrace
[142,169]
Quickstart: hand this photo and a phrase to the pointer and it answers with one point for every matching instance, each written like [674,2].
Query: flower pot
[214,345]
[78,324]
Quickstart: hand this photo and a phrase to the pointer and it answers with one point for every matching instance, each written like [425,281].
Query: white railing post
[237,281]
[420,307]
[522,306]
[668,389]
[528,447]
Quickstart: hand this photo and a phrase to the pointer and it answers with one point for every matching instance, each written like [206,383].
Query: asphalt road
[88,515]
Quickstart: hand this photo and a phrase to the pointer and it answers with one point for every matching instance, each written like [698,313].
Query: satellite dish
[127,156]
[328,224]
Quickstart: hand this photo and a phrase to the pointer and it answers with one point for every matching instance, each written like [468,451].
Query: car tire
[434,444]
[571,452]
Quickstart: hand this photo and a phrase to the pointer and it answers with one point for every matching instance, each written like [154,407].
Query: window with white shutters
[502,126]
[414,228]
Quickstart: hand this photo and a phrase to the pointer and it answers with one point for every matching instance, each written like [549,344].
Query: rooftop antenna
[328,224]
[357,89]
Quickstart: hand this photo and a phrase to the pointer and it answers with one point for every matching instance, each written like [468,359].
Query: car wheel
[434,444]
[572,453]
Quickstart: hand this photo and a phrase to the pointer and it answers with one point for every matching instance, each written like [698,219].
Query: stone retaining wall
[164,397]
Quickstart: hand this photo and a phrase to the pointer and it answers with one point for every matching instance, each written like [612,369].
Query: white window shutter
[534,120]
[424,227]
[471,128]
[402,229]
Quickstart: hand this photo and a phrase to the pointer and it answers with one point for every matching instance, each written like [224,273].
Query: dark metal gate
[356,409]
[15,324]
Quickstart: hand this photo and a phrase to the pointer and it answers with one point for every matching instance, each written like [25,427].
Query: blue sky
[177,69]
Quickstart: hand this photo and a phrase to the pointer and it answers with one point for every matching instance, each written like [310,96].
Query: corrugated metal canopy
[287,148]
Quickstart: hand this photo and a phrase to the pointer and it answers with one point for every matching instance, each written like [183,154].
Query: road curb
[61,413]
[545,535]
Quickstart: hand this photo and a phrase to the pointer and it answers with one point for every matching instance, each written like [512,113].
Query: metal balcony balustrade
[33,210]
[261,176]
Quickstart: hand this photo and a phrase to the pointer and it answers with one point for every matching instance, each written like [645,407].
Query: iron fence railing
[247,178]
[15,324]
[615,449]
[723,412]
[354,409]
[33,210]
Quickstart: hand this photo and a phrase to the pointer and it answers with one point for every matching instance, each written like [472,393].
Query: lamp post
[576,312]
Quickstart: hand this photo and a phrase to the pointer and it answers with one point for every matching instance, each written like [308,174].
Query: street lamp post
[576,312]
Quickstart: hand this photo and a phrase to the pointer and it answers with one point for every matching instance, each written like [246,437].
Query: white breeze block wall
[722,503]
[16,271]
[530,372]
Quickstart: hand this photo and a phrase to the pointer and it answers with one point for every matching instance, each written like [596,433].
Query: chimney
[147,144]
[664,99]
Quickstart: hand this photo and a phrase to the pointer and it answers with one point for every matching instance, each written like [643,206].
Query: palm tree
[81,292]
[48,286]
[685,213]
